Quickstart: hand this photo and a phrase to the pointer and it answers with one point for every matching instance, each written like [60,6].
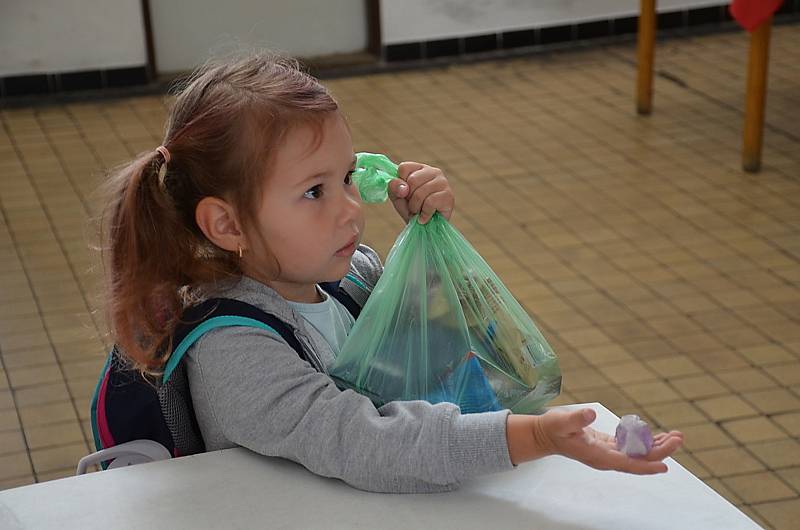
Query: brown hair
[227,120]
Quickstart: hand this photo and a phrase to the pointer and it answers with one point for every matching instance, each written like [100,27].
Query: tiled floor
[667,280]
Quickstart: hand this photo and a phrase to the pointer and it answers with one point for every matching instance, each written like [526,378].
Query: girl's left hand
[421,189]
[568,433]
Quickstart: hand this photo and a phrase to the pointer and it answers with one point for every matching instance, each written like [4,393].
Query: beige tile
[27,358]
[56,458]
[41,394]
[675,414]
[11,442]
[753,429]
[14,465]
[82,387]
[24,341]
[786,374]
[773,401]
[728,461]
[605,354]
[582,337]
[723,489]
[704,436]
[725,407]
[790,423]
[57,474]
[746,379]
[53,434]
[759,487]
[696,387]
[780,514]
[766,354]
[791,476]
[583,378]
[89,368]
[17,482]
[628,372]
[778,453]
[674,366]
[6,400]
[650,392]
[693,465]
[719,360]
[610,397]
[37,415]
[9,420]
[34,375]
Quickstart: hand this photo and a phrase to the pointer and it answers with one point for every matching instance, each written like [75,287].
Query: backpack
[128,405]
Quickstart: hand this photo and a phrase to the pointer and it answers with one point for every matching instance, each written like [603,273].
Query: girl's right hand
[567,433]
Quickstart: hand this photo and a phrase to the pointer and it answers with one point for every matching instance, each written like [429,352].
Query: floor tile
[755,429]
[759,487]
[777,454]
[56,458]
[728,461]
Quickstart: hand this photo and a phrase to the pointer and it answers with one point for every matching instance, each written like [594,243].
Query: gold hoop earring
[241,251]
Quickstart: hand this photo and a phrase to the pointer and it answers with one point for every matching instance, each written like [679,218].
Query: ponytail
[151,257]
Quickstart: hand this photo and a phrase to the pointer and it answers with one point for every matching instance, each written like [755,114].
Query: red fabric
[752,13]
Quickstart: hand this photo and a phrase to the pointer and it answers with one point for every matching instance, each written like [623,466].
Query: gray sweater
[251,389]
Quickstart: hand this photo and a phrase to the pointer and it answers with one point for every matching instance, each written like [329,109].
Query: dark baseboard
[36,85]
[700,19]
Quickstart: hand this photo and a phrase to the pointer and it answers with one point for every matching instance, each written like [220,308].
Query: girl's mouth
[348,249]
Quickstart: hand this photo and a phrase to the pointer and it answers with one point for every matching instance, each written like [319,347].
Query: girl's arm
[250,389]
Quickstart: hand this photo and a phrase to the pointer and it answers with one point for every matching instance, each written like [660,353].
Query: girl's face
[310,215]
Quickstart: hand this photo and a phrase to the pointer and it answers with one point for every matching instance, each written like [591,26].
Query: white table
[236,488]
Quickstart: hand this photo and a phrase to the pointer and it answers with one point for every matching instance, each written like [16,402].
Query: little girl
[250,197]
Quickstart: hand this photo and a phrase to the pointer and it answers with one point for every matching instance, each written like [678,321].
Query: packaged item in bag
[440,325]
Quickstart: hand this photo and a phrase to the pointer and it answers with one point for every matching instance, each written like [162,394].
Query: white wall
[420,20]
[49,36]
[186,32]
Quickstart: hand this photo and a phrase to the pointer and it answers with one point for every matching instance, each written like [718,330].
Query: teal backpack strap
[224,312]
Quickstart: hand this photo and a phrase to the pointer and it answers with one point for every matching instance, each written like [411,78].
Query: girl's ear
[220,224]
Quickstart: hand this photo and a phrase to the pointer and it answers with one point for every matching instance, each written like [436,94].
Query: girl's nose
[351,207]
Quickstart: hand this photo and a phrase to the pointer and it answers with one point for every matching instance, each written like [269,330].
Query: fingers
[565,423]
[435,202]
[398,188]
[613,460]
[428,191]
[642,467]
[665,445]
[577,420]
[405,169]
[398,192]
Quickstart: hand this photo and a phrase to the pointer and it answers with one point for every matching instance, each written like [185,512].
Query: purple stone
[633,436]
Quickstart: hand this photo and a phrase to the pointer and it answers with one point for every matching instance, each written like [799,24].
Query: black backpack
[128,406]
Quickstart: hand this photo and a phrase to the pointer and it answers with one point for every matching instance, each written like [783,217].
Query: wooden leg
[756,97]
[645,49]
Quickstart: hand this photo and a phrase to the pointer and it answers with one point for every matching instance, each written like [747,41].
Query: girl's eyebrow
[320,175]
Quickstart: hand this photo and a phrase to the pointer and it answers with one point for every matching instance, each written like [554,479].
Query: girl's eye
[314,193]
[348,178]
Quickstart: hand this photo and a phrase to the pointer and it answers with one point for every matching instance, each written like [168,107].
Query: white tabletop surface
[236,488]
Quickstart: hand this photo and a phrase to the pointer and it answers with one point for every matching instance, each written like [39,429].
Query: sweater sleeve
[254,389]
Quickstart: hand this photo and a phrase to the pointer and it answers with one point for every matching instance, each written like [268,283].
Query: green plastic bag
[440,325]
